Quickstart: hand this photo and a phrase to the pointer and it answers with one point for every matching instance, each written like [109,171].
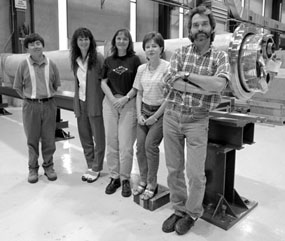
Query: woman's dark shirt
[120,72]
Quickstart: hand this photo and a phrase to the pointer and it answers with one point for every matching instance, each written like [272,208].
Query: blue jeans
[190,125]
[120,130]
[92,137]
[148,141]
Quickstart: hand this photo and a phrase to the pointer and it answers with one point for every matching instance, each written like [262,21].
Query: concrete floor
[71,210]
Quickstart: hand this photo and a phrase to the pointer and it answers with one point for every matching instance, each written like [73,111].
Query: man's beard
[195,36]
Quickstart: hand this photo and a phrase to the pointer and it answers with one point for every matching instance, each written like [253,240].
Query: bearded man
[197,75]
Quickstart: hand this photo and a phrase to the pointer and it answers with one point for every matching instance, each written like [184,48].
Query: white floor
[71,210]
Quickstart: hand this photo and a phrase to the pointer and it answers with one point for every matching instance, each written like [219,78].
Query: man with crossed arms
[197,75]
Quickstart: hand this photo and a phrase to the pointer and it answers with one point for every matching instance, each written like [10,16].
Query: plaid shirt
[187,58]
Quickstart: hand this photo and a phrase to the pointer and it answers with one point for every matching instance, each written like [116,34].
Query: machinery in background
[250,52]
[271,104]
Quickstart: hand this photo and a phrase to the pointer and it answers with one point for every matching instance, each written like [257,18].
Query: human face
[122,43]
[152,50]
[83,43]
[201,28]
[35,49]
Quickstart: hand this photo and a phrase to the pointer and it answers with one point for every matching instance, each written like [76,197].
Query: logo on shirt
[120,70]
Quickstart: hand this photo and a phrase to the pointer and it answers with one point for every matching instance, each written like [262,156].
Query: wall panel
[5,28]
[46,22]
[102,22]
[147,18]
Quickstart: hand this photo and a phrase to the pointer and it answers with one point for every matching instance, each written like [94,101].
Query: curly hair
[202,9]
[75,50]
[130,49]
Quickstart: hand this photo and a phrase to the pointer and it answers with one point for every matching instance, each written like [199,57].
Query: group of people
[119,100]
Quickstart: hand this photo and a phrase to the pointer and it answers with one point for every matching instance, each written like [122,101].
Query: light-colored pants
[192,126]
[92,137]
[120,131]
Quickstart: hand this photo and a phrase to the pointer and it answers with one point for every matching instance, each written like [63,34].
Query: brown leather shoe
[168,225]
[184,224]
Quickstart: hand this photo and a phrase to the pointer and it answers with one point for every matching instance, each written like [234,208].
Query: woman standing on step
[150,108]
[86,64]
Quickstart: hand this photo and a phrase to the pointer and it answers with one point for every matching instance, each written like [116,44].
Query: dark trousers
[39,120]
[92,137]
[148,141]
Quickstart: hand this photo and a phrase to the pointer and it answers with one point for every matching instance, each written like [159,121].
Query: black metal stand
[223,205]
[60,134]
[3,106]
[227,133]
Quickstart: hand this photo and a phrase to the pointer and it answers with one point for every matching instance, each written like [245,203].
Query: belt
[185,110]
[150,107]
[179,108]
[39,100]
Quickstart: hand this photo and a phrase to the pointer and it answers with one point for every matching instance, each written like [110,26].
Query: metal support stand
[227,133]
[60,134]
[223,205]
[2,107]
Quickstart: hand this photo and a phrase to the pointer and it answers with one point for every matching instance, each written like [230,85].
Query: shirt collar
[80,63]
[43,60]
[208,52]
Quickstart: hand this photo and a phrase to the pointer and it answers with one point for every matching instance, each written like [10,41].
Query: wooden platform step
[160,199]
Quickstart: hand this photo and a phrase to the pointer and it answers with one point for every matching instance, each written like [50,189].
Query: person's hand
[180,74]
[179,84]
[119,103]
[141,120]
[150,120]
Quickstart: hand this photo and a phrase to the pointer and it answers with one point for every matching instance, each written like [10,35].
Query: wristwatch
[186,75]
[128,97]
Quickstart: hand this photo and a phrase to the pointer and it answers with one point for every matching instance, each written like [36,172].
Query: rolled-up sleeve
[223,69]
[137,82]
[175,65]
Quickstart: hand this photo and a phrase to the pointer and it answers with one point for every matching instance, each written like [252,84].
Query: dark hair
[156,37]
[205,11]
[32,38]
[75,50]
[130,49]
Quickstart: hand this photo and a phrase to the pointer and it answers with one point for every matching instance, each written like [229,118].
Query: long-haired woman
[119,110]
[86,64]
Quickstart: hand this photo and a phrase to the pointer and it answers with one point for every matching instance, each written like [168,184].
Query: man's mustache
[201,32]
